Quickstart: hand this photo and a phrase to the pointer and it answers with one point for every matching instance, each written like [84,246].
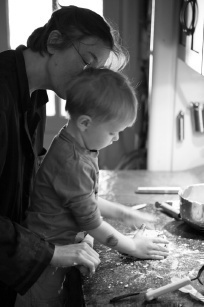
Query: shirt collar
[68,137]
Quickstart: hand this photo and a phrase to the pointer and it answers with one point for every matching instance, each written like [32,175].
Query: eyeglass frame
[86,64]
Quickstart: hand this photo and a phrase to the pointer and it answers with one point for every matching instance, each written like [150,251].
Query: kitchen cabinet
[191,40]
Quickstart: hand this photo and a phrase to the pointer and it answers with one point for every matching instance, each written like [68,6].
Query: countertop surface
[117,275]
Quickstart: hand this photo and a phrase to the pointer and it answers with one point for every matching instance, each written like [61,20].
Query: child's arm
[140,247]
[125,214]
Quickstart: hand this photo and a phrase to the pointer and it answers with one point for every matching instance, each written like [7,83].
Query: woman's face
[63,65]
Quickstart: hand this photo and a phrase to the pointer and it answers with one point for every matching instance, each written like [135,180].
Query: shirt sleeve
[77,185]
[23,255]
[3,140]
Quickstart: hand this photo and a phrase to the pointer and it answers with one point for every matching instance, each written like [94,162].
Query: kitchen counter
[117,275]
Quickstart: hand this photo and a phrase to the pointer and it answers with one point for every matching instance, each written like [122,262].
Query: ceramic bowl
[192,205]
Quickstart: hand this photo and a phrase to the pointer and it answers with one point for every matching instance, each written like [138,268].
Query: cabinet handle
[198,115]
[189,30]
[180,123]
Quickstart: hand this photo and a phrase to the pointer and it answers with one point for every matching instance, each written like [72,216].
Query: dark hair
[75,23]
[103,95]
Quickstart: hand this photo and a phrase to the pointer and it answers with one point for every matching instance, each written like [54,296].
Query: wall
[189,88]
[174,85]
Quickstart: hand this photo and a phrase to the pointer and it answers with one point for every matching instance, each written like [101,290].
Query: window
[24,17]
[94,5]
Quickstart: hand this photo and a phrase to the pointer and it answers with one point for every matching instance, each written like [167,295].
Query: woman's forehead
[96,48]
[94,44]
[93,41]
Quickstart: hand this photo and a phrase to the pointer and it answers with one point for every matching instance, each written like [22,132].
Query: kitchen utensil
[157,190]
[154,293]
[190,290]
[168,208]
[192,205]
[198,116]
[180,126]
[150,294]
[200,276]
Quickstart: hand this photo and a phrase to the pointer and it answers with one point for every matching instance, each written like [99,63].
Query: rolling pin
[154,293]
[168,209]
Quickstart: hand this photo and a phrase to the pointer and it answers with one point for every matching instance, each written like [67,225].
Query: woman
[73,39]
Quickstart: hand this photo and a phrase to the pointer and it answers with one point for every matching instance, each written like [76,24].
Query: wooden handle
[151,294]
[169,209]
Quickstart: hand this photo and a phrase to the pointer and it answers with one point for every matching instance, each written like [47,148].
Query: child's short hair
[103,95]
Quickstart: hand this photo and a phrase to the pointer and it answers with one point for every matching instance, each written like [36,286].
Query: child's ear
[84,122]
[55,38]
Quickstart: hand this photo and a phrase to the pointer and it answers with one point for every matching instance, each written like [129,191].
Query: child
[100,103]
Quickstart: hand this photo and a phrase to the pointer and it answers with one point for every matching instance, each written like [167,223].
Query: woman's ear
[54,37]
[84,122]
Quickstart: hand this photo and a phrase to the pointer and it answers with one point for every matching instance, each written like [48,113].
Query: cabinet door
[191,46]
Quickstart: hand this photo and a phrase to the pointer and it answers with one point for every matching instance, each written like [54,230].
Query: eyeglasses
[86,65]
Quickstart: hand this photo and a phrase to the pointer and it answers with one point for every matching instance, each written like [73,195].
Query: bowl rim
[182,190]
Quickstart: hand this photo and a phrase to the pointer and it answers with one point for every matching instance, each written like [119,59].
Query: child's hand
[149,248]
[136,218]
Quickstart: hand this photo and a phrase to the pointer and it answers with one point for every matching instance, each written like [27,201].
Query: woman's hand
[150,248]
[80,254]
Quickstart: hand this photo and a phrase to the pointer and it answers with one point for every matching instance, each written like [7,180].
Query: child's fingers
[160,248]
[157,257]
[160,240]
[156,254]
[160,253]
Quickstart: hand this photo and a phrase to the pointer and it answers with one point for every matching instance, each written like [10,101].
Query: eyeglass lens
[86,65]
